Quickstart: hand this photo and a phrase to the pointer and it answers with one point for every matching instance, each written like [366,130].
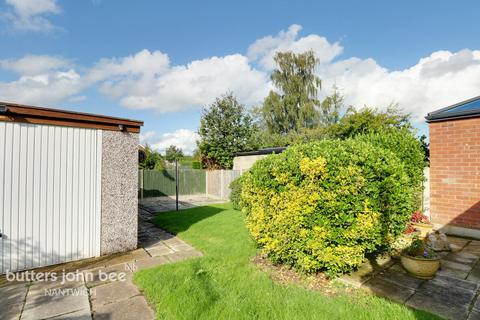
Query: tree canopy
[153,160]
[294,105]
[225,128]
[173,153]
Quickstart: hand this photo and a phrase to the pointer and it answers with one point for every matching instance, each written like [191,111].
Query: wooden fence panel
[162,183]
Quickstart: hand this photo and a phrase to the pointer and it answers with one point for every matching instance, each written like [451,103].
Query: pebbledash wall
[68,186]
[455,168]
[119,191]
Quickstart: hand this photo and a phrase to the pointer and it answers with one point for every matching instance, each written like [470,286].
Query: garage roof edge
[32,114]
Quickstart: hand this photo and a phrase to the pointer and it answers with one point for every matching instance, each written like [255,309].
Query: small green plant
[236,192]
[418,249]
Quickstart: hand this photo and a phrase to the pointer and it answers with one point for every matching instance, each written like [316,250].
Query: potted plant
[420,261]
[421,223]
[404,241]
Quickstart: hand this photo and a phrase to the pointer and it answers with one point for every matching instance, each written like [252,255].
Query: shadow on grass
[172,222]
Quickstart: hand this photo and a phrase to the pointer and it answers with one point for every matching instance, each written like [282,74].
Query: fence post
[206,183]
[141,184]
[221,184]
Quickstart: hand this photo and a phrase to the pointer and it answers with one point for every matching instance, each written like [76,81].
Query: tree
[295,105]
[331,107]
[152,161]
[369,120]
[173,153]
[225,128]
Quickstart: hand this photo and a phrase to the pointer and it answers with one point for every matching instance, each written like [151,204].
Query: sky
[163,61]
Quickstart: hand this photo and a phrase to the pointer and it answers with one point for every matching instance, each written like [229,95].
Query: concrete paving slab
[181,247]
[112,292]
[152,262]
[366,271]
[183,255]
[445,296]
[174,242]
[11,312]
[388,289]
[159,250]
[457,241]
[51,287]
[84,314]
[462,257]
[40,306]
[12,295]
[474,274]
[477,303]
[438,304]
[454,269]
[134,308]
[474,315]
[473,248]
[400,277]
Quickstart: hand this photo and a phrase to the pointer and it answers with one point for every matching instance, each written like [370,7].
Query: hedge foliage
[236,192]
[324,205]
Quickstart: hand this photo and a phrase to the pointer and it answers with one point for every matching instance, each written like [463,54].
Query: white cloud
[34,65]
[264,49]
[42,80]
[29,15]
[436,81]
[146,80]
[183,138]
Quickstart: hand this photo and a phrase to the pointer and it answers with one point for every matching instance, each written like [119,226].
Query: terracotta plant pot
[420,267]
[424,229]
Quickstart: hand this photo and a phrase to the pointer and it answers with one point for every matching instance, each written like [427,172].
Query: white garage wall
[50,194]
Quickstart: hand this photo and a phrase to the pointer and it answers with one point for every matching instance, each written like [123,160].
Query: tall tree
[173,153]
[152,160]
[225,128]
[331,107]
[295,103]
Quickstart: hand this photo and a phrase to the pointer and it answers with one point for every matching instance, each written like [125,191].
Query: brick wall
[455,172]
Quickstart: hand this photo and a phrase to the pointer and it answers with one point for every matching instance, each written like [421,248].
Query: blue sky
[162,61]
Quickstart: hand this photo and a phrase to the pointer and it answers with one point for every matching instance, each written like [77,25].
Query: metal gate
[50,179]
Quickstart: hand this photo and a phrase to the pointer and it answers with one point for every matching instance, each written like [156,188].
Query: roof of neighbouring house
[13,112]
[466,109]
[261,151]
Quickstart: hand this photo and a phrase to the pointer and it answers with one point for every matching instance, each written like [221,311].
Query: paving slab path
[454,293]
[101,290]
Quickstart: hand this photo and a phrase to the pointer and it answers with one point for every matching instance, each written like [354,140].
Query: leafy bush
[236,192]
[409,150]
[324,205]
[196,165]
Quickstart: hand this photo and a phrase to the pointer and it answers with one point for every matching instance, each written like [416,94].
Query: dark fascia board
[440,115]
[14,112]
[261,152]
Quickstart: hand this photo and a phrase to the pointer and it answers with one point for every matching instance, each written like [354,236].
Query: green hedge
[236,192]
[324,205]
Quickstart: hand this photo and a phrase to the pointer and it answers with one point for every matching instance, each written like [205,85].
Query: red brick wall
[455,172]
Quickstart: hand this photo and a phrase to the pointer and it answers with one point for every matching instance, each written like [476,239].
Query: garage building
[68,186]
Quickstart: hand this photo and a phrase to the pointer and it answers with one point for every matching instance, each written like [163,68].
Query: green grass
[225,285]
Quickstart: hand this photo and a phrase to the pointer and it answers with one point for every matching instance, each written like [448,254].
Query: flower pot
[420,267]
[424,229]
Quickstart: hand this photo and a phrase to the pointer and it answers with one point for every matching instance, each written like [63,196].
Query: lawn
[224,284]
